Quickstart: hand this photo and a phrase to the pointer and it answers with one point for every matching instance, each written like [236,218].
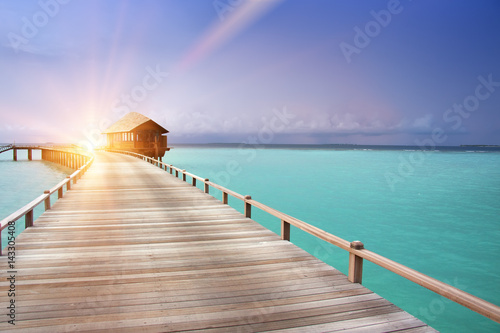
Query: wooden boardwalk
[131,248]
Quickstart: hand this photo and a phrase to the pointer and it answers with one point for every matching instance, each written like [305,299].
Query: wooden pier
[67,156]
[132,248]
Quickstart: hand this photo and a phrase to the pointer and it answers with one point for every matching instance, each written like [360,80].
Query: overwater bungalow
[139,134]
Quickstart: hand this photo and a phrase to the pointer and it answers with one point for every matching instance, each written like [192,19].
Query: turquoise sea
[436,212]
[23,181]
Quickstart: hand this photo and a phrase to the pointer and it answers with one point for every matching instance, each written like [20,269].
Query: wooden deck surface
[133,249]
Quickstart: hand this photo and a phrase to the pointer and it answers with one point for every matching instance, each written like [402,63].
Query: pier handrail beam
[356,250]
[5,148]
[27,210]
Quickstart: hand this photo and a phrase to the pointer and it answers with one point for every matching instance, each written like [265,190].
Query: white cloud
[424,122]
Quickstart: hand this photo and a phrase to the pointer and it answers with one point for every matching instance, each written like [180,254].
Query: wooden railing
[356,249]
[5,148]
[74,160]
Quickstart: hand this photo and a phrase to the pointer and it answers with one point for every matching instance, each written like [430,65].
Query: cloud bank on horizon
[282,71]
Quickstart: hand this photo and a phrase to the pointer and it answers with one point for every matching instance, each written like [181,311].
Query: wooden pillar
[248,207]
[68,184]
[194,182]
[176,173]
[30,154]
[28,219]
[184,175]
[207,187]
[355,274]
[285,230]
[47,201]
[60,193]
[225,198]
[171,170]
[15,154]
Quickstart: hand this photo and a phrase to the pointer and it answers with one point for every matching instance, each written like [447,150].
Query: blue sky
[275,71]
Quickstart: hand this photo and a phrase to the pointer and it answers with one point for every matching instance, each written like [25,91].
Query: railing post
[171,170]
[47,201]
[184,175]
[68,184]
[207,187]
[225,198]
[60,193]
[14,154]
[355,263]
[194,182]
[30,154]
[285,230]
[28,219]
[248,207]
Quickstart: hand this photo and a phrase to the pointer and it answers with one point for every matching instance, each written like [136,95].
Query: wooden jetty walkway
[132,248]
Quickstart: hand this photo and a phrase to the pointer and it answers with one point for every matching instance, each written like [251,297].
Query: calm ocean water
[23,181]
[438,213]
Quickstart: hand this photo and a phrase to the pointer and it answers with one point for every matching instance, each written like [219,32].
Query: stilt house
[139,134]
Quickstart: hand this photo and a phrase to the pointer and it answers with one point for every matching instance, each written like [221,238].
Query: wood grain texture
[133,249]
